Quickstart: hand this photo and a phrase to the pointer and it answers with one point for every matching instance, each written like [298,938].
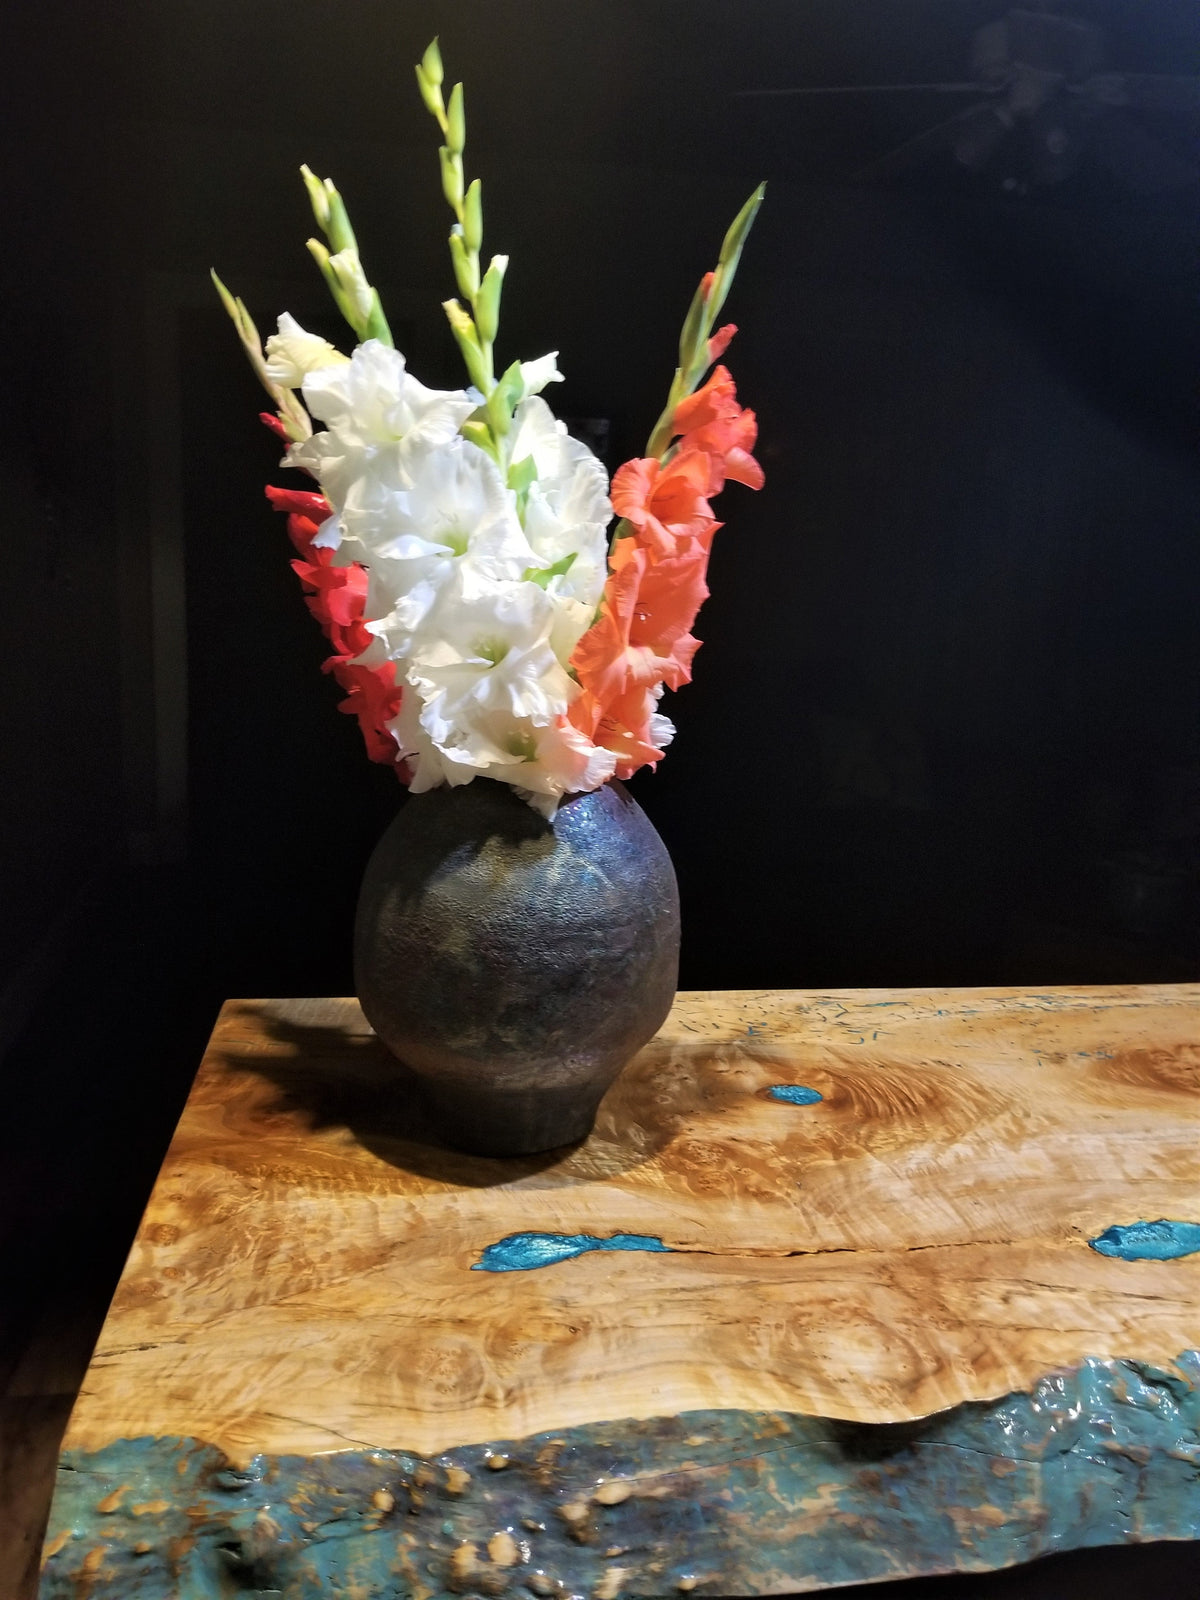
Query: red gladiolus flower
[349,640]
[336,596]
[373,696]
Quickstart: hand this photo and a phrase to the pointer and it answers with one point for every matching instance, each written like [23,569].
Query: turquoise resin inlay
[1149,1241]
[796,1094]
[521,1252]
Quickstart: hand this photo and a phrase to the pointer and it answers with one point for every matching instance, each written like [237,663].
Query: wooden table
[824,1298]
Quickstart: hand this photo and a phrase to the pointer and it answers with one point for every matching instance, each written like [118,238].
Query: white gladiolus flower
[484,668]
[455,510]
[376,414]
[451,496]
[292,354]
[480,647]
[554,760]
[568,509]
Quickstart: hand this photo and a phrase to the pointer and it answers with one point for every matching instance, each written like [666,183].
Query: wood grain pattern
[302,1280]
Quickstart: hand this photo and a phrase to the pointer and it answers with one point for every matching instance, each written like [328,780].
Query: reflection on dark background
[943,728]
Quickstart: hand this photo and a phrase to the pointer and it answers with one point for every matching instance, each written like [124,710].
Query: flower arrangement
[482,620]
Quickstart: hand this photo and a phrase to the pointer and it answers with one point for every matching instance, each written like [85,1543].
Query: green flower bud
[467,338]
[452,178]
[377,323]
[337,229]
[456,121]
[693,329]
[472,221]
[431,65]
[466,266]
[432,97]
[512,381]
[731,251]
[499,415]
[479,433]
[487,302]
[317,196]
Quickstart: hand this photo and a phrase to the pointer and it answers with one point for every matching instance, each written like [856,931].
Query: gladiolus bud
[487,302]
[731,250]
[468,342]
[432,97]
[431,64]
[466,266]
[693,326]
[452,178]
[499,415]
[479,433]
[317,196]
[352,280]
[456,121]
[337,224]
[472,222]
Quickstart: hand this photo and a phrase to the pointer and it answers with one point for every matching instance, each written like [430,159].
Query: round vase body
[515,964]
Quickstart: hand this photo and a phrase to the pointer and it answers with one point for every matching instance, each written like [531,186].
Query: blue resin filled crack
[521,1252]
[1149,1241]
[796,1094]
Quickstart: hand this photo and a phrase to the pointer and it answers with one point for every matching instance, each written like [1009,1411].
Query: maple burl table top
[814,1240]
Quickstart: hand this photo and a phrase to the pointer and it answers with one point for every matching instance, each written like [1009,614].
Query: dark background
[943,729]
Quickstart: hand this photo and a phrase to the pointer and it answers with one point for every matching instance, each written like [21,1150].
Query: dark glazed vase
[514,964]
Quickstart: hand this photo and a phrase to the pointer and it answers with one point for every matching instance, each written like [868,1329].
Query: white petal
[535,375]
[292,354]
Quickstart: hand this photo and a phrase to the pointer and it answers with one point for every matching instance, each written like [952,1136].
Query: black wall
[944,724]
[943,727]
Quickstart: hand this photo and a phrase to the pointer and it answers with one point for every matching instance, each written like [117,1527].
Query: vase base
[512,1122]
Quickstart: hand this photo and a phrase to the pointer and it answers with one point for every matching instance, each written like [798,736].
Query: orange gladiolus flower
[667,504]
[625,729]
[642,637]
[712,423]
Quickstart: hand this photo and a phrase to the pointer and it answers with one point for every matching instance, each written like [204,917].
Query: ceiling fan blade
[972,135]
[814,90]
[1138,161]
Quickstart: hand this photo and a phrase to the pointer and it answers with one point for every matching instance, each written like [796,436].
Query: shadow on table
[339,1075]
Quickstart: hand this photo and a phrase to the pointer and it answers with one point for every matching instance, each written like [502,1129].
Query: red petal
[719,342]
[275,425]
[302,500]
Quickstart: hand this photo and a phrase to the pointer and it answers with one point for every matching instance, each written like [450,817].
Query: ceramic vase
[516,964]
